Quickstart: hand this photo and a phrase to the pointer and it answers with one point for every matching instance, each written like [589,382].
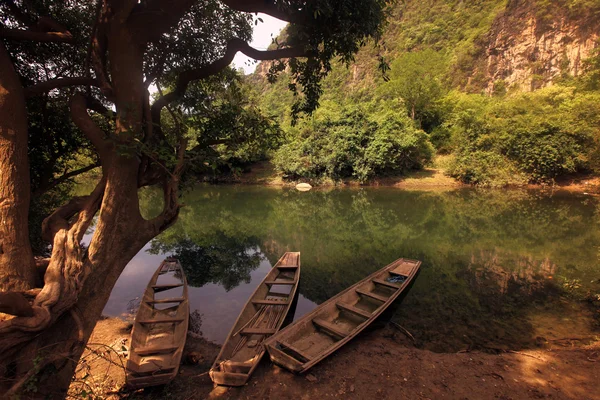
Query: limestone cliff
[530,50]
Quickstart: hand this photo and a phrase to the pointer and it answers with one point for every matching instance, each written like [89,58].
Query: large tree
[102,56]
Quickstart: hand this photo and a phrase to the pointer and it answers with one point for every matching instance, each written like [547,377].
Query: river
[502,269]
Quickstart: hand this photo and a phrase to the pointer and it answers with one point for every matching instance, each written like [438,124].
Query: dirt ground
[380,364]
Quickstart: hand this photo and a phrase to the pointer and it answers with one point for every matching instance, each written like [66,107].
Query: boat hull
[160,328]
[263,315]
[309,340]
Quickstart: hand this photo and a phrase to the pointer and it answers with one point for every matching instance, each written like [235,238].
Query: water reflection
[492,261]
[226,261]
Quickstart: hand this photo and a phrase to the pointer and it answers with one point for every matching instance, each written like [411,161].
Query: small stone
[351,388]
[311,378]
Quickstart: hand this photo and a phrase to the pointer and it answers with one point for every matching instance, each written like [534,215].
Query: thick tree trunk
[78,282]
[120,231]
[17,270]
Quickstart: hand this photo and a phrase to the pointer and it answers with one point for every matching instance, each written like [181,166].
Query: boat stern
[283,360]
[228,378]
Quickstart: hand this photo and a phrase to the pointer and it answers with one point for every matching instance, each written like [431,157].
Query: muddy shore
[380,364]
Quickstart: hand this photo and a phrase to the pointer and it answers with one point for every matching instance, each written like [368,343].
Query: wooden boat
[334,323]
[262,316]
[160,328]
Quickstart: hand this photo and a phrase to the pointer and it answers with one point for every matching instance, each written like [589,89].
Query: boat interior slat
[160,288]
[353,310]
[280,282]
[144,351]
[293,351]
[153,367]
[258,331]
[329,328]
[277,294]
[371,295]
[287,267]
[385,283]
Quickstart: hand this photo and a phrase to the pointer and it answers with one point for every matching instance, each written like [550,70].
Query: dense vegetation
[434,99]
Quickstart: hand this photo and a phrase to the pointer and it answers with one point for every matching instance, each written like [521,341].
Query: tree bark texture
[17,272]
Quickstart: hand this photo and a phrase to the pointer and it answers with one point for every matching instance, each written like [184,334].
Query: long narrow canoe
[334,323]
[261,317]
[160,328]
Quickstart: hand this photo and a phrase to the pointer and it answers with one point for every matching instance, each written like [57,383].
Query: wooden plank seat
[270,302]
[145,351]
[287,267]
[385,283]
[153,367]
[353,310]
[160,288]
[329,328]
[299,354]
[371,295]
[161,321]
[239,364]
[258,331]
[280,282]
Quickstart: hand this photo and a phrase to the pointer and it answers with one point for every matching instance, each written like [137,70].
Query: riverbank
[431,178]
[382,363]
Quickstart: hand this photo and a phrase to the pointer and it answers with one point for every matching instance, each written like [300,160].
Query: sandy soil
[380,364]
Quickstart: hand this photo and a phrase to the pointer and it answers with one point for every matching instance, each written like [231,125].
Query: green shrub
[539,135]
[485,168]
[348,144]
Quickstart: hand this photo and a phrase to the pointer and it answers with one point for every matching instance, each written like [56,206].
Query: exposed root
[404,330]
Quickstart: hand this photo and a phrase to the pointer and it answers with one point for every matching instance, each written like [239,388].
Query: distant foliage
[370,126]
[350,143]
[533,137]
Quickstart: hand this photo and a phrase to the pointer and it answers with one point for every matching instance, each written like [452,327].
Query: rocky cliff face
[530,51]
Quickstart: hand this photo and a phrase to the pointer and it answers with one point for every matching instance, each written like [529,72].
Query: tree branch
[263,6]
[14,303]
[43,87]
[44,188]
[22,34]
[90,129]
[235,45]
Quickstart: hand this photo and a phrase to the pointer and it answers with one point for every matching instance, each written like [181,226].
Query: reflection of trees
[486,254]
[226,261]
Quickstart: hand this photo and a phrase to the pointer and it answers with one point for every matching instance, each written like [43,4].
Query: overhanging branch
[90,129]
[260,6]
[233,47]
[22,34]
[43,189]
[43,87]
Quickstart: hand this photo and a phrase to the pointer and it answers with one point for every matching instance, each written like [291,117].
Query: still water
[501,269]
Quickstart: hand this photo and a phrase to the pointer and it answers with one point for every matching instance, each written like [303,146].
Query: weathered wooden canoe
[310,339]
[261,317]
[160,328]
